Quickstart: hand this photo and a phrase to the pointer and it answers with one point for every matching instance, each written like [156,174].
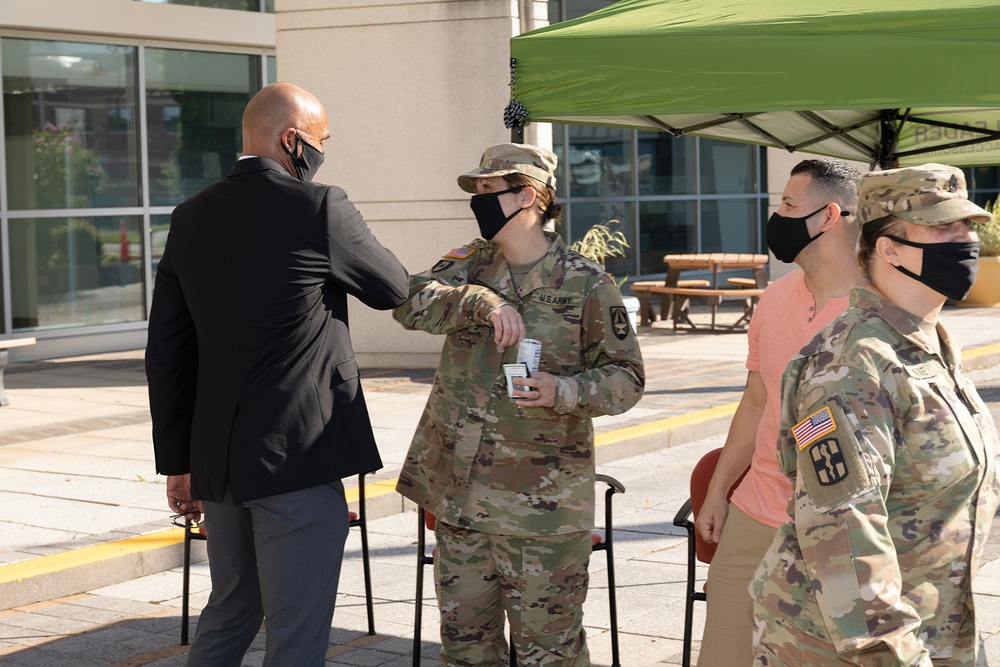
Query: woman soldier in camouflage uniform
[511,480]
[891,452]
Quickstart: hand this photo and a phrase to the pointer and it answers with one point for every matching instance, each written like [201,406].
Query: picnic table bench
[6,344]
[676,294]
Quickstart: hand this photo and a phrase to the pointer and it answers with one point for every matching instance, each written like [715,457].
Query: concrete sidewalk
[90,576]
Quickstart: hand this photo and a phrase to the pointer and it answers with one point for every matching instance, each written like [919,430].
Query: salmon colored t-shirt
[784,321]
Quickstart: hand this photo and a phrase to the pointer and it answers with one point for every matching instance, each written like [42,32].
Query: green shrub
[989,232]
[601,243]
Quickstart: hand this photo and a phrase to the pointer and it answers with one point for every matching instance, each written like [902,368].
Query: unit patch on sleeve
[828,460]
[619,322]
[458,253]
[814,427]
[442,265]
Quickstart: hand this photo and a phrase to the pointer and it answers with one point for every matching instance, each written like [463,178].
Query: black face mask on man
[489,213]
[309,162]
[786,237]
[947,268]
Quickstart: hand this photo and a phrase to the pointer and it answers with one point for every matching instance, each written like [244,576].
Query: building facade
[115,111]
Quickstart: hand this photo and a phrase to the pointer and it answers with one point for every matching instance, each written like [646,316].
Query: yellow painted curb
[980,351]
[100,552]
[86,555]
[661,425]
[372,490]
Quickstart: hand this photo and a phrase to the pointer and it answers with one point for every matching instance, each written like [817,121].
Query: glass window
[983,183]
[159,225]
[600,161]
[3,320]
[76,271]
[555,11]
[618,216]
[665,227]
[560,10]
[272,69]
[71,124]
[729,225]
[667,164]
[194,103]
[727,167]
[559,148]
[244,5]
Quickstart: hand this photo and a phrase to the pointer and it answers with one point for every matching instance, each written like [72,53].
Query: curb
[81,570]
[980,358]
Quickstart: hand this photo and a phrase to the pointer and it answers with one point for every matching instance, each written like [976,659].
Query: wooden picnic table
[675,294]
[715,262]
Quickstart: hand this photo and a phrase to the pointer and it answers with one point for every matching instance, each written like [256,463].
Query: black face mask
[489,213]
[786,237]
[947,268]
[307,164]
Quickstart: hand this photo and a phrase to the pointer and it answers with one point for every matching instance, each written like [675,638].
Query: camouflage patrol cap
[504,159]
[929,195]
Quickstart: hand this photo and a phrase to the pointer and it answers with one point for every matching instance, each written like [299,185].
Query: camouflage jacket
[892,455]
[478,460]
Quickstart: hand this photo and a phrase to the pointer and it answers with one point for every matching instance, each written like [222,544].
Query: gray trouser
[275,560]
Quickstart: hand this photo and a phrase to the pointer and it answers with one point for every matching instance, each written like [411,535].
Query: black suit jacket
[252,376]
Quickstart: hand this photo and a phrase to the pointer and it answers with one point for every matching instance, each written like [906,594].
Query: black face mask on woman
[947,268]
[786,237]
[489,213]
[309,162]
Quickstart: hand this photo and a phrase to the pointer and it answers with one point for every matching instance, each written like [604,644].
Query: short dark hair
[834,178]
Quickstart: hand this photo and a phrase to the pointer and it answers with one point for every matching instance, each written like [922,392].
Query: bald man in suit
[254,390]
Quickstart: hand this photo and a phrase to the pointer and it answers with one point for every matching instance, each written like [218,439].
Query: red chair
[698,548]
[598,542]
[195,531]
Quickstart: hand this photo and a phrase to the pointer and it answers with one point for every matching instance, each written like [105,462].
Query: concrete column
[414,91]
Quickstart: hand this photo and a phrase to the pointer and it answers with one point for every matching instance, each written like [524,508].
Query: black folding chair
[195,531]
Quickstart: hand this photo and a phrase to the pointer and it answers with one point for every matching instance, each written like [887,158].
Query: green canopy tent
[880,81]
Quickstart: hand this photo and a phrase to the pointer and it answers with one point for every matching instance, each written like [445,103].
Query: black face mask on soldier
[489,213]
[947,268]
[309,162]
[786,237]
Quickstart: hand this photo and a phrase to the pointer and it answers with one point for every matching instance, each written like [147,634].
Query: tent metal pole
[888,135]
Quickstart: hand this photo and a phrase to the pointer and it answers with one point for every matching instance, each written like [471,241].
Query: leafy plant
[67,175]
[989,232]
[601,242]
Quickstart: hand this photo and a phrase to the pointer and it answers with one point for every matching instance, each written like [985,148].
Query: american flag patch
[458,253]
[813,427]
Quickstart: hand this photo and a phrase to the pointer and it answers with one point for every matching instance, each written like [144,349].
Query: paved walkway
[89,575]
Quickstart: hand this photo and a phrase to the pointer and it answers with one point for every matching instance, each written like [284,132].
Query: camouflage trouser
[777,643]
[541,582]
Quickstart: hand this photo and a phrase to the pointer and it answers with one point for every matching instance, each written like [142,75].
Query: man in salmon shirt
[815,228]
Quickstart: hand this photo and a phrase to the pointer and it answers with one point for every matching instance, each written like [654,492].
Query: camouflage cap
[504,159]
[929,195]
